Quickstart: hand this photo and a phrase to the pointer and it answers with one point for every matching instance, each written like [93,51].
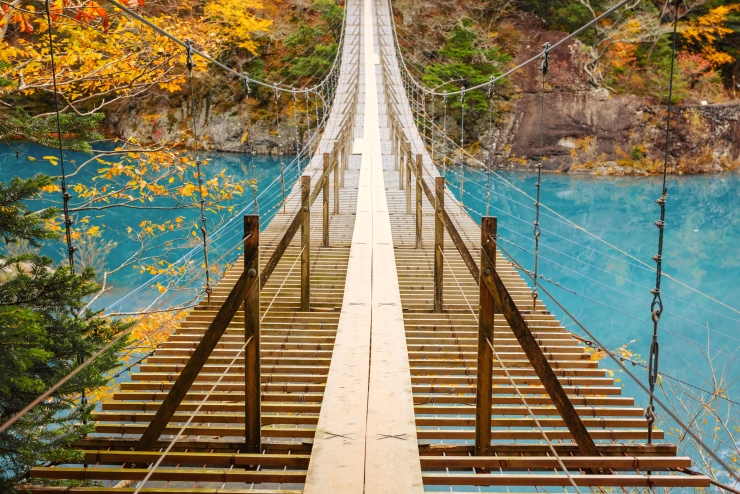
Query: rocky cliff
[589,130]
[585,129]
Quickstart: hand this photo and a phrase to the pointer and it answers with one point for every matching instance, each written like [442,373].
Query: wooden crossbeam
[550,462]
[172,474]
[201,458]
[563,481]
[247,282]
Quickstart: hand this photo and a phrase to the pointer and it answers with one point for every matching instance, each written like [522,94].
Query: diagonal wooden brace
[536,357]
[247,282]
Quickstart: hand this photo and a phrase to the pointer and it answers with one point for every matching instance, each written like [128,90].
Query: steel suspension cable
[444,140]
[65,195]
[462,146]
[656,307]
[563,219]
[543,69]
[563,40]
[203,225]
[710,451]
[205,56]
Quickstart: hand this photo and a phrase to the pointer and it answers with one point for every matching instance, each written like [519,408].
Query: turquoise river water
[598,265]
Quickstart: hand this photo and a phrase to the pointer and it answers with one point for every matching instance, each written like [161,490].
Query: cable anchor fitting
[545,58]
[189,48]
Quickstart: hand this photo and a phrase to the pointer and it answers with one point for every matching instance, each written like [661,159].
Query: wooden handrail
[520,328]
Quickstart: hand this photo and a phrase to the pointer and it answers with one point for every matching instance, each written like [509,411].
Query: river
[600,270]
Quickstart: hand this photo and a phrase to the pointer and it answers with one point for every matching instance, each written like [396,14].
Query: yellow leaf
[54,160]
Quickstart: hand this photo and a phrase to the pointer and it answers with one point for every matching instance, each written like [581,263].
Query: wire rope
[536,232]
[656,307]
[666,408]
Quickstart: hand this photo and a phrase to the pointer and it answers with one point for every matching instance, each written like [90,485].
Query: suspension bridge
[372,338]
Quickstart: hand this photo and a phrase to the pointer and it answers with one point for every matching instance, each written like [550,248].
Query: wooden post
[402,169]
[325,200]
[407,154]
[537,358]
[252,423]
[394,143]
[244,285]
[345,155]
[305,244]
[419,214]
[439,244]
[335,174]
[486,311]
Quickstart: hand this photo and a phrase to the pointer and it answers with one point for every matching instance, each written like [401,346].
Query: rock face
[584,129]
[584,132]
[221,123]
[590,130]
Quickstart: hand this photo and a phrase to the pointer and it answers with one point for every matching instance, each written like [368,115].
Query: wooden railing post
[419,214]
[402,167]
[245,286]
[505,304]
[407,154]
[335,175]
[394,143]
[305,244]
[252,422]
[345,155]
[325,201]
[486,311]
[439,244]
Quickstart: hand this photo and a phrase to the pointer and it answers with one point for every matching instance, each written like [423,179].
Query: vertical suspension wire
[308,127]
[462,149]
[543,69]
[431,126]
[491,149]
[444,136]
[656,307]
[297,133]
[65,195]
[316,108]
[424,115]
[203,225]
[280,142]
[250,150]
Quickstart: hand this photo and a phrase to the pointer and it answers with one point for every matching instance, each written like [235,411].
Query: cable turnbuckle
[545,58]
[189,63]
